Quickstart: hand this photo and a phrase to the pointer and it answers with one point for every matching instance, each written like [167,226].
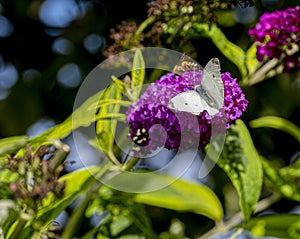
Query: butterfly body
[209,95]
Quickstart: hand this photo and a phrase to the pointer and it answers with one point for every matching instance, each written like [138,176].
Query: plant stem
[236,219]
[131,162]
[93,186]
[18,229]
[260,75]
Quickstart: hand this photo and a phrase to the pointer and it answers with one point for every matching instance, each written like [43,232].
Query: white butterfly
[209,95]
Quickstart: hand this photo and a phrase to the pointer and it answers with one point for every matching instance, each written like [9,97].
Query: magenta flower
[278,35]
[180,130]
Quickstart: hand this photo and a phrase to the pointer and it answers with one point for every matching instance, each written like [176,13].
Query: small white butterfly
[209,95]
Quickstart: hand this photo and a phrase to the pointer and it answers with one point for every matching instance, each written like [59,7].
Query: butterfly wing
[186,64]
[211,87]
[188,101]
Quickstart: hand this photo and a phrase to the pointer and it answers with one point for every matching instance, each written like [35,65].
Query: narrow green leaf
[233,52]
[277,123]
[120,84]
[183,196]
[106,127]
[137,74]
[242,164]
[137,35]
[83,116]
[279,225]
[12,144]
[106,102]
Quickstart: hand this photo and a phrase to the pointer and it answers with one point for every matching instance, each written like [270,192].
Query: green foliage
[183,196]
[277,123]
[279,182]
[241,162]
[137,74]
[233,52]
[281,225]
[11,144]
[105,128]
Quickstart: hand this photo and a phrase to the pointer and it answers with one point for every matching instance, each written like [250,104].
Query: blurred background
[48,47]
[46,50]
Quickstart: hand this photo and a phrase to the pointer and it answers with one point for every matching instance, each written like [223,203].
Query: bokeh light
[60,13]
[4,93]
[6,27]
[30,75]
[93,43]
[69,75]
[8,76]
[40,126]
[244,15]
[62,46]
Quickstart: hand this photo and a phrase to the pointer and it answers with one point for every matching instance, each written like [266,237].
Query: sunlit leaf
[120,223]
[11,144]
[83,116]
[183,196]
[105,128]
[279,225]
[233,52]
[277,123]
[251,61]
[137,74]
[245,171]
[7,176]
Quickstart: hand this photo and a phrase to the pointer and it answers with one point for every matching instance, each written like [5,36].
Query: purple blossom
[180,130]
[277,34]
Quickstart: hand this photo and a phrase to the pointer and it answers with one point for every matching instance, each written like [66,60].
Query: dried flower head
[35,178]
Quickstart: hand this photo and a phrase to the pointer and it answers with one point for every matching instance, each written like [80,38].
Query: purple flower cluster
[180,130]
[278,36]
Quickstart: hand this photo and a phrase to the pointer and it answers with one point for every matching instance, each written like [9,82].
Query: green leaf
[83,116]
[280,225]
[12,144]
[182,196]
[7,176]
[131,236]
[137,74]
[280,183]
[251,61]
[233,52]
[120,223]
[8,214]
[242,164]
[137,35]
[277,123]
[106,127]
